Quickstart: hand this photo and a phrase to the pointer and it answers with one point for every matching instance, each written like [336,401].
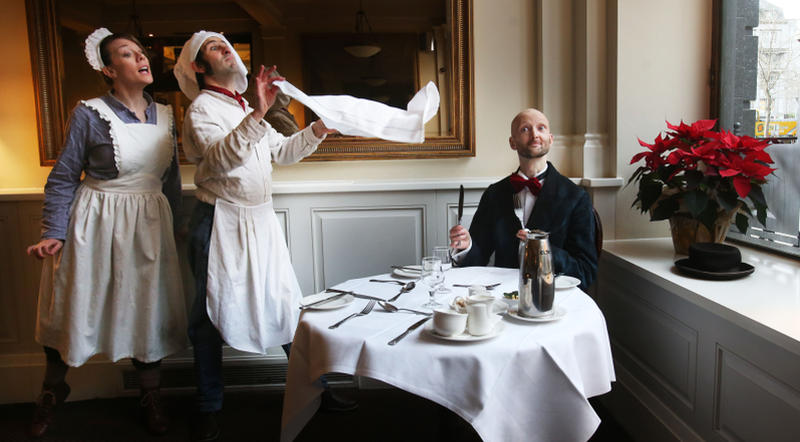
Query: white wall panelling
[740,385]
[334,231]
[354,242]
[696,370]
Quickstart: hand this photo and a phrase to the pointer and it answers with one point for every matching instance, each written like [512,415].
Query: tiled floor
[383,414]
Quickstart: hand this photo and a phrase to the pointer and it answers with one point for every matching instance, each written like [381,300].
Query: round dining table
[528,379]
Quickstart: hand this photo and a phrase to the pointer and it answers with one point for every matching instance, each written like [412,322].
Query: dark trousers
[205,337]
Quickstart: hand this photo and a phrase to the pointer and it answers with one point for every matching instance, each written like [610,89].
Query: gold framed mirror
[434,36]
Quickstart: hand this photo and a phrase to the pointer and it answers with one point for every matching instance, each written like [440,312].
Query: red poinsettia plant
[701,172]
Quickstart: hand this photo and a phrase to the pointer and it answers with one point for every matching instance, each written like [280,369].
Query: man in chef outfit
[246,290]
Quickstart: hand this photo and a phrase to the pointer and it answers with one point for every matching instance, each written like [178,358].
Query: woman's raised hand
[46,247]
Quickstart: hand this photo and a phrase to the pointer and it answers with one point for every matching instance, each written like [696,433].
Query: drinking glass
[443,253]
[432,276]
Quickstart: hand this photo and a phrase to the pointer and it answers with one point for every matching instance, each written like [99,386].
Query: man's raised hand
[266,91]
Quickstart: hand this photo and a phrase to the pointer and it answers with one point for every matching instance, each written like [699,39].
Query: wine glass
[433,277]
[443,253]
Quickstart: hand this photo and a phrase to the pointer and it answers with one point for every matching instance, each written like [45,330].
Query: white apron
[253,294]
[115,286]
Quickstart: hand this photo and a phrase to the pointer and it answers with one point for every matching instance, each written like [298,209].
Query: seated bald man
[550,201]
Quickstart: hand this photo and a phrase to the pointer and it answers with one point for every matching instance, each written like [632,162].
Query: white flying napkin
[366,118]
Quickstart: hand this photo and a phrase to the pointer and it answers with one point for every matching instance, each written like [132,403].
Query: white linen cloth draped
[366,118]
[530,383]
[115,286]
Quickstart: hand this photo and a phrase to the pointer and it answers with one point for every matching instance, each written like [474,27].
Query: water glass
[443,253]
[433,277]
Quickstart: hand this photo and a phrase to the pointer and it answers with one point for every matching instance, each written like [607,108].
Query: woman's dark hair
[105,54]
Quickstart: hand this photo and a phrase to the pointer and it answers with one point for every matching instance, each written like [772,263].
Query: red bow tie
[519,183]
[235,95]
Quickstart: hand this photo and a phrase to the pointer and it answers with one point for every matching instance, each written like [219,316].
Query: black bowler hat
[708,260]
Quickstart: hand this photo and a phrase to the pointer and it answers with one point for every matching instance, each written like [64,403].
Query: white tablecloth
[530,383]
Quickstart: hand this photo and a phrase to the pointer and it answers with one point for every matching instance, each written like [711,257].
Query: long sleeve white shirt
[234,152]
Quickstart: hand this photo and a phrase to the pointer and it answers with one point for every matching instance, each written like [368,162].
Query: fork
[367,308]
[487,287]
[388,280]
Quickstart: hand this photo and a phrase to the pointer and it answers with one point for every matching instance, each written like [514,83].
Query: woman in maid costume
[110,280]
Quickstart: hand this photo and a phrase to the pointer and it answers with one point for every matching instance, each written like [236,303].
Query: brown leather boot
[48,399]
[153,412]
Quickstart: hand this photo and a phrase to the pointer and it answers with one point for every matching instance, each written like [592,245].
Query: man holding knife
[548,201]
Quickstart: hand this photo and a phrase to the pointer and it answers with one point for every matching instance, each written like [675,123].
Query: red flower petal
[742,185]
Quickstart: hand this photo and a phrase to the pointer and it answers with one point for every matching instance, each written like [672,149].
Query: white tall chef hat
[92,48]
[183,68]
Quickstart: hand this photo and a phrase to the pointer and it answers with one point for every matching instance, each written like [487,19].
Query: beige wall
[19,155]
[663,67]
[495,106]
[663,59]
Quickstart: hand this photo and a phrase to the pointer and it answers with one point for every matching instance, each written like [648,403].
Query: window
[757,93]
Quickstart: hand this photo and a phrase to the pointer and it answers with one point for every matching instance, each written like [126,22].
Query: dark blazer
[562,208]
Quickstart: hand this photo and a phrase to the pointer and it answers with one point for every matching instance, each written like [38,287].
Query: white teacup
[448,322]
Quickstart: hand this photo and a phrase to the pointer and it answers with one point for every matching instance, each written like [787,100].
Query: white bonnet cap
[186,75]
[92,48]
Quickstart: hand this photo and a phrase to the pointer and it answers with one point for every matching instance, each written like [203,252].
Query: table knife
[460,203]
[355,295]
[322,301]
[408,330]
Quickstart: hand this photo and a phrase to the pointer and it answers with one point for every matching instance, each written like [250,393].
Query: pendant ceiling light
[362,47]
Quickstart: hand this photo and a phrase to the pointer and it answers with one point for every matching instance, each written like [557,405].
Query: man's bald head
[532,113]
[530,134]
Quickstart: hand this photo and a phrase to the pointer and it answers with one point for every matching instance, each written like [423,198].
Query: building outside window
[757,55]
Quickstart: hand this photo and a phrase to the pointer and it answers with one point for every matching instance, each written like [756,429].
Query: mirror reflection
[382,50]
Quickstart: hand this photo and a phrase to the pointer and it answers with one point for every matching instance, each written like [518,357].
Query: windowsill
[767,302]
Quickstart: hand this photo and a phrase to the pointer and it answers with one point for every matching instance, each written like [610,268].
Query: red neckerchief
[235,95]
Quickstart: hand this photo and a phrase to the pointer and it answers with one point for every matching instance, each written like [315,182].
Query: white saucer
[405,273]
[466,337]
[558,313]
[567,282]
[331,305]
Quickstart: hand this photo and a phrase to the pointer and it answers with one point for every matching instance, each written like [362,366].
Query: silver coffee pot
[536,276]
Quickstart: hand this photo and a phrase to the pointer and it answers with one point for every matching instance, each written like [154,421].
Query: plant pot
[687,230]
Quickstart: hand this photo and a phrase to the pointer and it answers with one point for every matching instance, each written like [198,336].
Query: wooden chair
[598,232]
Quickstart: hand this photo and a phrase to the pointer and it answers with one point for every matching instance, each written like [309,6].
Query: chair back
[598,232]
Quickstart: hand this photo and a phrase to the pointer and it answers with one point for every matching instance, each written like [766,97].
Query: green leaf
[696,201]
[727,200]
[635,176]
[742,222]
[649,193]
[664,209]
[761,215]
[693,179]
[757,196]
[665,171]
[707,217]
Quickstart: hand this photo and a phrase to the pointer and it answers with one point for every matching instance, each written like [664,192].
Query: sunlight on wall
[19,144]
